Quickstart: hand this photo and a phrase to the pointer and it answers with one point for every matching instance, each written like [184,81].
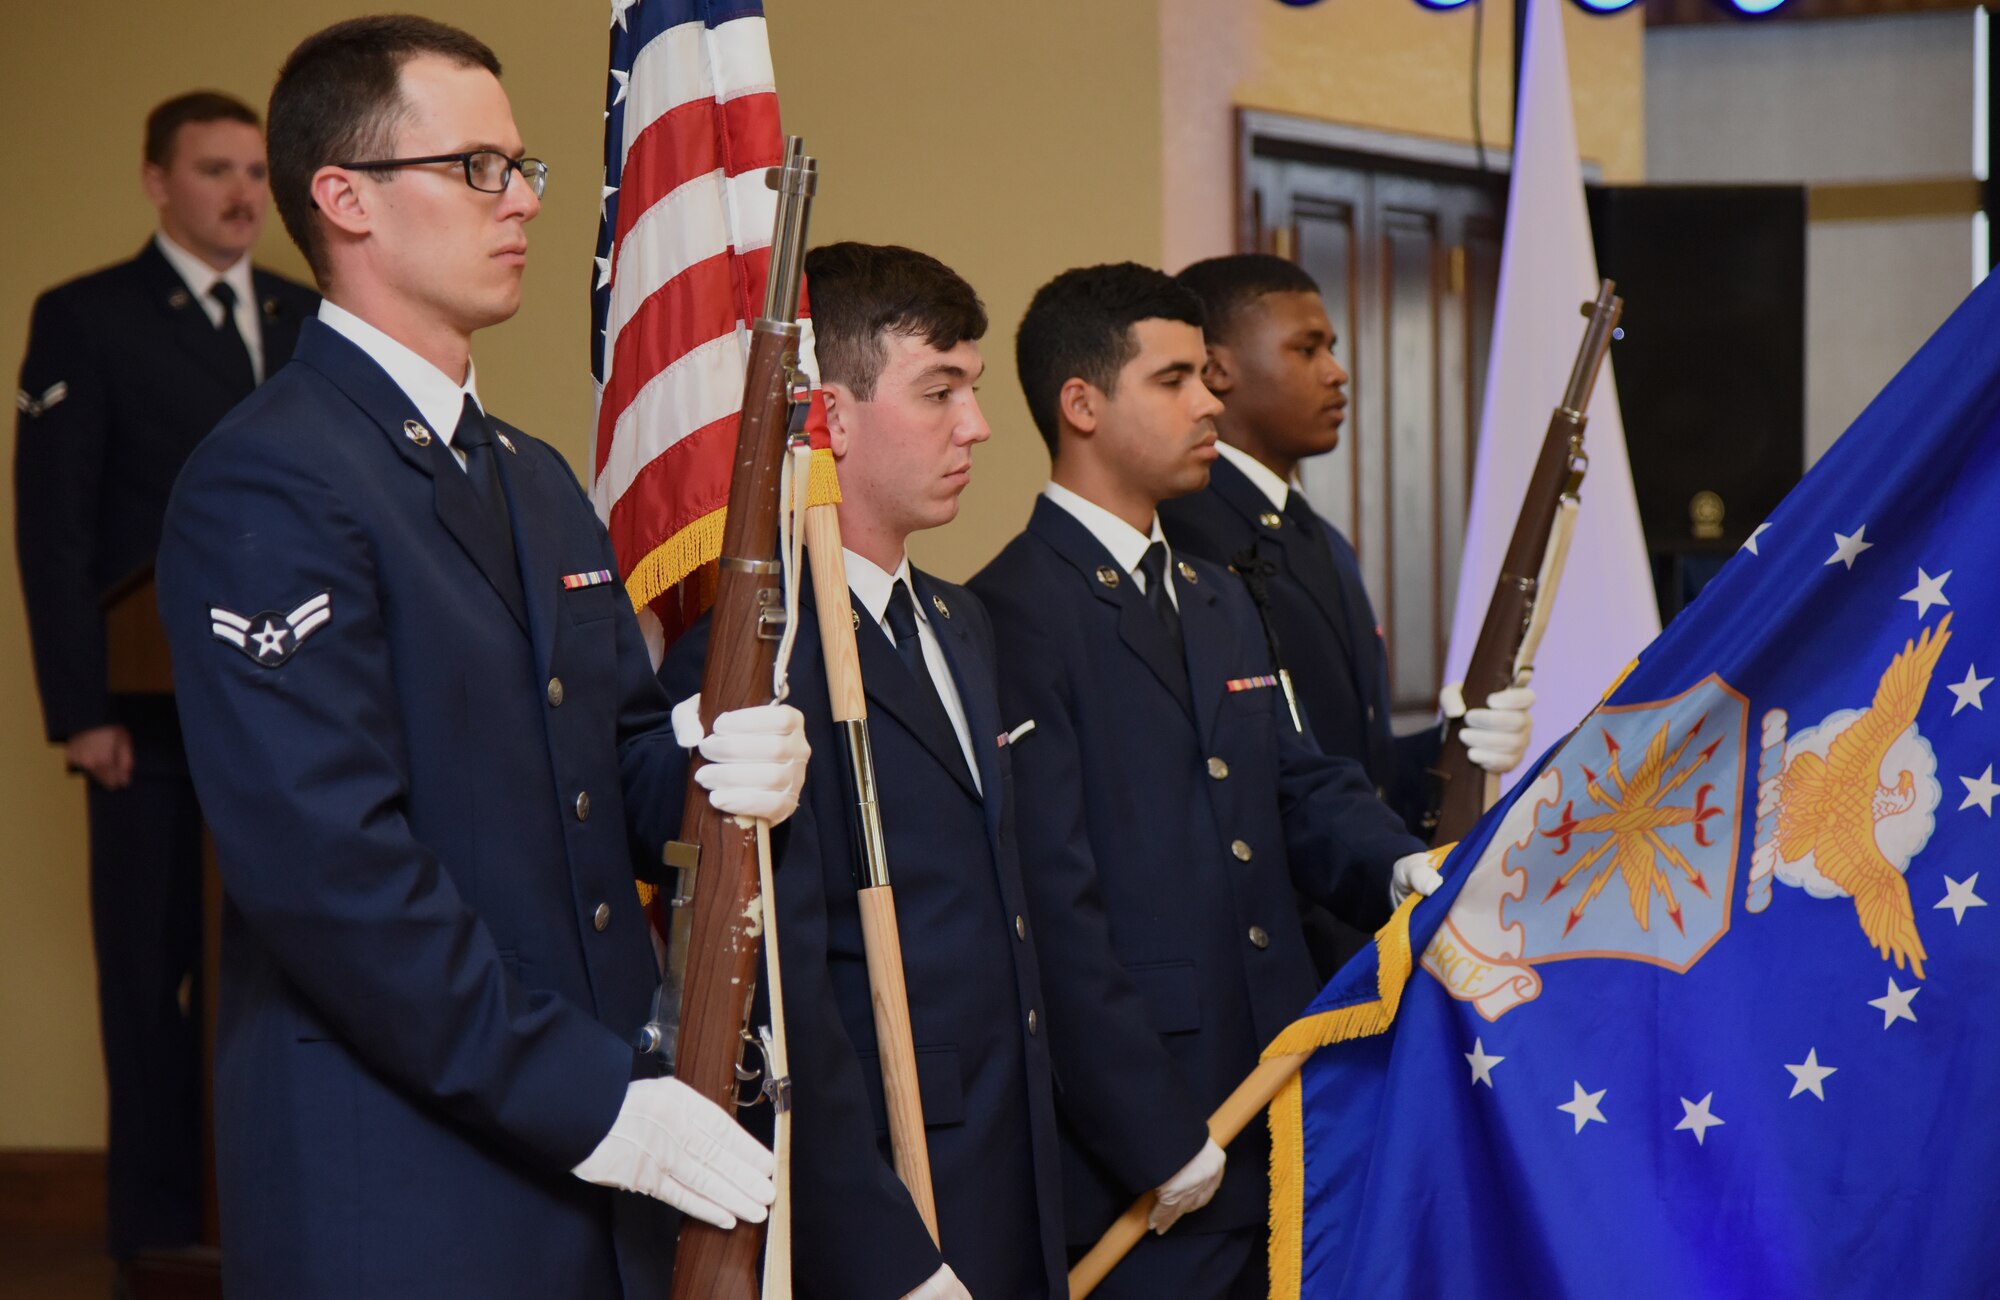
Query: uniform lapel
[1206,634]
[188,321]
[974,679]
[891,689]
[540,566]
[1304,555]
[458,507]
[1138,626]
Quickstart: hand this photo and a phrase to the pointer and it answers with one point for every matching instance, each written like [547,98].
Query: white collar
[199,276]
[1127,544]
[1260,475]
[437,396]
[873,585]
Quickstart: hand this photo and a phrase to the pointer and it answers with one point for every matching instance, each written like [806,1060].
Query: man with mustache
[429,742]
[1271,364]
[126,370]
[1169,811]
[897,334]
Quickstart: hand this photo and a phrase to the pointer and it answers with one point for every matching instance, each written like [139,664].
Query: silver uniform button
[1033,1024]
[1021,929]
[1217,768]
[1270,520]
[1240,849]
[601,918]
[555,692]
[583,806]
[1259,939]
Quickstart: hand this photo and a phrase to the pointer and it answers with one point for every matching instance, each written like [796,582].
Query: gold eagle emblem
[1828,807]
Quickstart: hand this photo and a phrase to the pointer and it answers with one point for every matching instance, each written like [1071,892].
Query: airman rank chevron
[270,638]
[595,578]
[1250,683]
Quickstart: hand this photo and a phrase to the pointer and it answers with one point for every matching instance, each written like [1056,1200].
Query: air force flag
[1706,1008]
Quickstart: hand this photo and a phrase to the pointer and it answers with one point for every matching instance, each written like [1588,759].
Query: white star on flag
[1810,1075]
[1583,1106]
[1928,591]
[624,80]
[1846,547]
[1895,1004]
[1482,1064]
[603,271]
[604,200]
[1980,790]
[1751,546]
[1958,897]
[1968,690]
[1697,1119]
[618,8]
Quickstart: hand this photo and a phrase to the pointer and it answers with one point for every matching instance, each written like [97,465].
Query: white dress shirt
[200,277]
[1276,489]
[437,396]
[1127,544]
[872,587]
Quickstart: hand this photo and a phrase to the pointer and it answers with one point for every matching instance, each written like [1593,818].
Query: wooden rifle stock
[888,992]
[718,914]
[1503,655]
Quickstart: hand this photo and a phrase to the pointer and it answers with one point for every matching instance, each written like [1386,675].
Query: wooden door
[1408,258]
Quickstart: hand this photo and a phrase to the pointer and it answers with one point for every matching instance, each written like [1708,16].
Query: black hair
[1227,285]
[339,98]
[1079,326]
[862,292]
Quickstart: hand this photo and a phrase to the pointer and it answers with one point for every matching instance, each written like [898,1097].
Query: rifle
[889,995]
[717,905]
[1518,614]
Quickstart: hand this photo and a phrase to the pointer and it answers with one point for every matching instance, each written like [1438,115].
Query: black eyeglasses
[486,170]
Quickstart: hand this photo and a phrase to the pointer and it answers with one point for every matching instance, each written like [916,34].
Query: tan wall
[1389,65]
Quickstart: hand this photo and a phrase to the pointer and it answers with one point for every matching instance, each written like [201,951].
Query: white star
[270,640]
[624,80]
[618,8]
[1697,1119]
[1810,1075]
[1895,1004]
[604,200]
[1968,690]
[1928,591]
[1958,897]
[1751,546]
[603,271]
[1980,790]
[1482,1064]
[1584,1105]
[1845,548]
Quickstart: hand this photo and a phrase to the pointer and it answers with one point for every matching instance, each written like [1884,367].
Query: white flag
[1604,612]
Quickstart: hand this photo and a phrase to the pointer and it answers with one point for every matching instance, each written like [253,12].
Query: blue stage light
[1756,8]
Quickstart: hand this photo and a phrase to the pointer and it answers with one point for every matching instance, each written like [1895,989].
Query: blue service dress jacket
[418,759]
[124,374]
[1326,627]
[1169,811]
[969,959]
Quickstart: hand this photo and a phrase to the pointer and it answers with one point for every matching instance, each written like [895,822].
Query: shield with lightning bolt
[1623,847]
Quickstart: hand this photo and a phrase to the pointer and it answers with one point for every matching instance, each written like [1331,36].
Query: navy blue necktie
[1154,566]
[230,337]
[474,440]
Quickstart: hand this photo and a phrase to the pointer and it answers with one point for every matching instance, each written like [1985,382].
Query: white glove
[941,1285]
[756,757]
[1190,1189]
[1497,735]
[1412,874]
[672,1143]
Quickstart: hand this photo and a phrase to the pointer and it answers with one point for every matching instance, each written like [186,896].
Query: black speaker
[1711,372]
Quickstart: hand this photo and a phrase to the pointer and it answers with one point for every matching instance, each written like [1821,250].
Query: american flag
[690,125]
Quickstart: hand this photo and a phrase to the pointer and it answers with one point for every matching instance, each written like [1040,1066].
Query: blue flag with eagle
[1701,1009]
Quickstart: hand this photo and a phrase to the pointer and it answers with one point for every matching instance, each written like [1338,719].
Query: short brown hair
[339,97]
[862,292]
[164,123]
